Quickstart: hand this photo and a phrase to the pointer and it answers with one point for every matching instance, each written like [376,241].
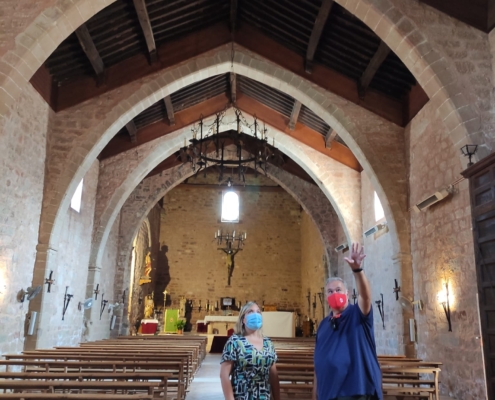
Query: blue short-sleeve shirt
[345,358]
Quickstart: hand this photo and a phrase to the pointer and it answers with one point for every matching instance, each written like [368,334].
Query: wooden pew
[72,396]
[174,370]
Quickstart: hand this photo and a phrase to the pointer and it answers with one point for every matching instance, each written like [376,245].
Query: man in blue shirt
[346,365]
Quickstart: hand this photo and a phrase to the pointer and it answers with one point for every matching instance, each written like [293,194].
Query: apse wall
[442,249]
[23,144]
[267,269]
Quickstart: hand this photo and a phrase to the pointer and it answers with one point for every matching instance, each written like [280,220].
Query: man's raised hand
[356,256]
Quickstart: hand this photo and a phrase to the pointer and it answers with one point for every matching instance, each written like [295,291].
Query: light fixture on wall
[342,247]
[410,304]
[208,147]
[376,228]
[469,150]
[86,304]
[445,299]
[29,294]
[433,199]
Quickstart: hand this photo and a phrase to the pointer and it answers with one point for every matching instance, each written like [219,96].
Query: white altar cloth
[279,324]
[220,318]
[220,324]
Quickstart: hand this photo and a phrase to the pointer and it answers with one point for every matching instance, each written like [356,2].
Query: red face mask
[337,300]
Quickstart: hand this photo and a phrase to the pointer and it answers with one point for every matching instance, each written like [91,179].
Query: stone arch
[152,154]
[149,192]
[38,41]
[338,113]
[431,69]
[35,44]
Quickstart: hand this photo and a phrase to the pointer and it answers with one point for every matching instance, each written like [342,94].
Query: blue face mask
[254,321]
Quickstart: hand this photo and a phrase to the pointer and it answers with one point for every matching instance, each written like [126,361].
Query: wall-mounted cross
[50,281]
[396,290]
[96,291]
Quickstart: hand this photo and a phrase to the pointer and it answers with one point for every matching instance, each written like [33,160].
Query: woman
[248,368]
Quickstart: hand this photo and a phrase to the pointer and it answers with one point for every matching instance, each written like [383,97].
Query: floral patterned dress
[251,368]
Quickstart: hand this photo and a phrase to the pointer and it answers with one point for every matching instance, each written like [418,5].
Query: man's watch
[357,270]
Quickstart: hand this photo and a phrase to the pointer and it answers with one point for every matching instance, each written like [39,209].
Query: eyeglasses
[334,323]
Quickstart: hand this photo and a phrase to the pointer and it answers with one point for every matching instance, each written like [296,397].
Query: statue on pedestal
[147,269]
[149,306]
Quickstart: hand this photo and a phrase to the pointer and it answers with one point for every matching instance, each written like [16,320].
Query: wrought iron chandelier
[210,147]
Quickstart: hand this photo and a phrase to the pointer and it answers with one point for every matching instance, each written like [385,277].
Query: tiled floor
[206,383]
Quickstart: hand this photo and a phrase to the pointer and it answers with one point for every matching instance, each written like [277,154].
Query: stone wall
[23,143]
[313,269]
[267,269]
[99,327]
[72,272]
[442,249]
[381,272]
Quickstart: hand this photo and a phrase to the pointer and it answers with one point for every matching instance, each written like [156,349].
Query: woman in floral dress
[248,370]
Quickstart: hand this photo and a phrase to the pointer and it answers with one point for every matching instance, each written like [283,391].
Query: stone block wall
[267,269]
[313,270]
[72,271]
[442,249]
[381,272]
[99,327]
[23,144]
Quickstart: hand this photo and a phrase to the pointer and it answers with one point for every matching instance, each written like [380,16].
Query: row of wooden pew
[131,367]
[402,377]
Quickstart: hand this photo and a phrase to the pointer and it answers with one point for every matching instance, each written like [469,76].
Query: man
[346,365]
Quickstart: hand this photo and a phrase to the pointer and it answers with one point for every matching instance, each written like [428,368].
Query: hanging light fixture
[209,147]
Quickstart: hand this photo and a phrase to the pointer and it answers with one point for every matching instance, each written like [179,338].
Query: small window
[379,213]
[230,207]
[75,203]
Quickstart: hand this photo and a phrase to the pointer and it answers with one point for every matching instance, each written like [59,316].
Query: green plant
[180,324]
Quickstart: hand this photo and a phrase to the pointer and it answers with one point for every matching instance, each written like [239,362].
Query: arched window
[75,202]
[230,207]
[379,213]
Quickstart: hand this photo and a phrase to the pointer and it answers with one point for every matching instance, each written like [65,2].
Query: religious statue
[182,306]
[147,269]
[149,306]
[230,259]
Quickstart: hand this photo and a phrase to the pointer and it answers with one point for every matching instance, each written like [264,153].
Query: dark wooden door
[482,189]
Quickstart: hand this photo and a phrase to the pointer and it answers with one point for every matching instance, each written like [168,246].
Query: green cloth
[171,317]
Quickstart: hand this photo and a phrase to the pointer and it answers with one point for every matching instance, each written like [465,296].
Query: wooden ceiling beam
[91,51]
[233,88]
[131,128]
[144,21]
[301,132]
[169,54]
[329,138]
[389,108]
[233,15]
[169,107]
[295,114]
[119,143]
[370,71]
[320,22]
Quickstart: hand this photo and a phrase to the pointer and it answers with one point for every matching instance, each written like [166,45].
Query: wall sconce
[469,150]
[445,299]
